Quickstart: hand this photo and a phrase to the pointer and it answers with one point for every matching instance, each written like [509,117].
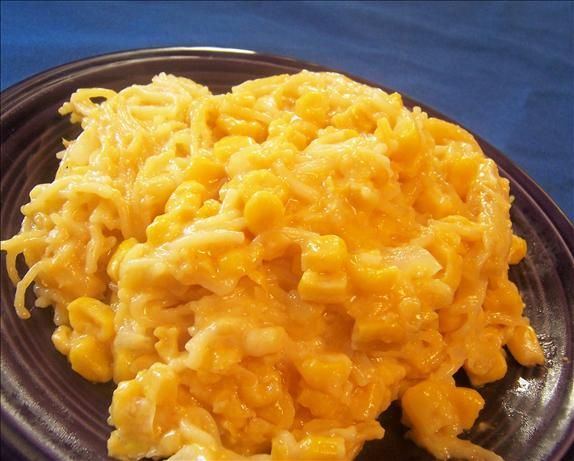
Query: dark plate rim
[10,99]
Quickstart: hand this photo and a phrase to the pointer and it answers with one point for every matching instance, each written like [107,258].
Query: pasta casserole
[264,272]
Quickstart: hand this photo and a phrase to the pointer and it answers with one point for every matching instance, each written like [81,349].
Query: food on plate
[263,272]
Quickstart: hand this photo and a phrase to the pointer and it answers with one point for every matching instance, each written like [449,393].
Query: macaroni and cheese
[263,272]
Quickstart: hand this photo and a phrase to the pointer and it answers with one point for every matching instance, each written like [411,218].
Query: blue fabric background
[504,70]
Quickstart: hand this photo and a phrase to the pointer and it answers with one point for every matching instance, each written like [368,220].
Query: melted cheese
[264,272]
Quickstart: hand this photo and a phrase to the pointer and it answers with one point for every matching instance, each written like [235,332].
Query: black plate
[51,413]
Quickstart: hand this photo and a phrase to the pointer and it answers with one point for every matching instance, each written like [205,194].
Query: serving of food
[263,272]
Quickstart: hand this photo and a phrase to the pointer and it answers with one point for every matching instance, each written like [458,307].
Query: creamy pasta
[263,272]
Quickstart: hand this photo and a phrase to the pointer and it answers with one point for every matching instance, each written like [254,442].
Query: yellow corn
[262,180]
[385,133]
[428,409]
[91,359]
[280,413]
[485,363]
[61,338]
[124,411]
[227,146]
[372,279]
[518,250]
[462,170]
[388,329]
[275,244]
[325,288]
[444,132]
[234,261]
[204,170]
[468,404]
[209,208]
[113,268]
[186,199]
[369,401]
[236,127]
[320,404]
[505,298]
[326,372]
[265,341]
[407,136]
[167,344]
[164,228]
[92,317]
[326,253]
[264,210]
[313,107]
[524,346]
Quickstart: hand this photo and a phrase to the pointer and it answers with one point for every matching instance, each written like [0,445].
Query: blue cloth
[504,70]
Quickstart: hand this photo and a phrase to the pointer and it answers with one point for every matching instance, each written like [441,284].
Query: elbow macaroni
[264,272]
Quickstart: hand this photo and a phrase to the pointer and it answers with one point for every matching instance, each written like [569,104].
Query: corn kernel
[236,127]
[227,146]
[92,317]
[428,409]
[326,372]
[468,404]
[357,116]
[369,401]
[320,404]
[113,268]
[61,338]
[326,253]
[485,363]
[450,320]
[123,366]
[280,413]
[235,262]
[125,411]
[505,298]
[204,170]
[407,136]
[388,329]
[265,341]
[263,211]
[518,250]
[210,208]
[91,359]
[462,170]
[159,384]
[438,202]
[443,132]
[325,288]
[313,107]
[384,132]
[524,346]
[262,388]
[167,344]
[275,244]
[186,199]
[164,228]
[300,133]
[372,279]
[262,180]
[425,352]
